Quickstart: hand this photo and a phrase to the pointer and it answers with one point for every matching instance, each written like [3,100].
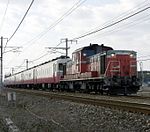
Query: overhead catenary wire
[144,60]
[124,14]
[40,57]
[36,59]
[19,23]
[55,23]
[2,22]
[62,19]
[131,24]
[112,24]
[139,6]
[18,67]
[45,53]
[141,18]
[125,25]
[144,56]
[72,9]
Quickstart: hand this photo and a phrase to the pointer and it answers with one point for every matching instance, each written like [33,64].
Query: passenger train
[93,68]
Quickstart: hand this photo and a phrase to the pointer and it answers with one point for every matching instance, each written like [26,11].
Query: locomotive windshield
[60,67]
[88,53]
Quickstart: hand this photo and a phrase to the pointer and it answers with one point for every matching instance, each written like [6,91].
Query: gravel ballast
[39,114]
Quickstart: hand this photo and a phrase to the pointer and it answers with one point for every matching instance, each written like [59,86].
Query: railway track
[138,97]
[113,102]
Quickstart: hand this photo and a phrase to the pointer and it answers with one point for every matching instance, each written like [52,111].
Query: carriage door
[34,76]
[64,68]
[61,69]
[102,64]
[54,71]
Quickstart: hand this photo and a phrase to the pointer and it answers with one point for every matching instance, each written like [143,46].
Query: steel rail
[138,97]
[115,104]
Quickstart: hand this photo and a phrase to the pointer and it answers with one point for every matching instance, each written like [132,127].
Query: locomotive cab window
[60,66]
[88,53]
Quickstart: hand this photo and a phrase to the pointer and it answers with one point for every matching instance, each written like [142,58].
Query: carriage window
[54,67]
[29,74]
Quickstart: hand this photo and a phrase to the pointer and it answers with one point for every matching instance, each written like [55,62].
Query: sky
[35,33]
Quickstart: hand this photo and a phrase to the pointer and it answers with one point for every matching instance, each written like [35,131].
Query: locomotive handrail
[114,67]
[106,69]
[131,66]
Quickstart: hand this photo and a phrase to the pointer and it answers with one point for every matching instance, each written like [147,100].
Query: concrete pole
[1,65]
[66,47]
[27,64]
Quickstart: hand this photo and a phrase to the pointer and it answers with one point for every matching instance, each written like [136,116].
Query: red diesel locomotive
[101,69]
[94,68]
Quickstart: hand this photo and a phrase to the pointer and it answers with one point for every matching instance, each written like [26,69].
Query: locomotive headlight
[112,55]
[131,55]
[84,54]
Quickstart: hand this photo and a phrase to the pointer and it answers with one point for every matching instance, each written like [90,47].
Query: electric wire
[124,14]
[42,56]
[144,56]
[73,8]
[18,67]
[70,10]
[19,24]
[54,24]
[39,57]
[60,19]
[112,24]
[46,53]
[131,24]
[12,50]
[145,59]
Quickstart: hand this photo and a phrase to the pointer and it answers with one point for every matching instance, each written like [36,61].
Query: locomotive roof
[60,57]
[109,52]
[92,46]
[121,51]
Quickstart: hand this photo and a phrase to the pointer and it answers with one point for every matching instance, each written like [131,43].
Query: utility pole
[1,65]
[1,69]
[66,48]
[27,63]
[12,71]
[1,60]
[66,41]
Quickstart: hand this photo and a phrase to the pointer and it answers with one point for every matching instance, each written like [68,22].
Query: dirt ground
[39,114]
